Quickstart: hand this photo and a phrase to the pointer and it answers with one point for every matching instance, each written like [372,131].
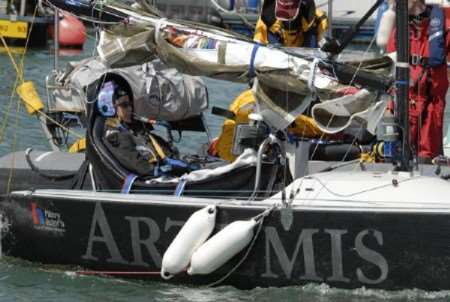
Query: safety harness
[437,53]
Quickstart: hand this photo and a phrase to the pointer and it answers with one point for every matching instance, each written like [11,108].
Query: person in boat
[291,23]
[429,47]
[131,142]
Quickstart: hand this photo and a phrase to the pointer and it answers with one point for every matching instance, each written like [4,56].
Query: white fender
[221,247]
[385,28]
[193,233]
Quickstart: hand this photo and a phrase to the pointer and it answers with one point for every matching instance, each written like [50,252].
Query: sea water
[24,281]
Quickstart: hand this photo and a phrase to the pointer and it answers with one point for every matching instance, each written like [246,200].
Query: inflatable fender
[222,247]
[385,28]
[193,233]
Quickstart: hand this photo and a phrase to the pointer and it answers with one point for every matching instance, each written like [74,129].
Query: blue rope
[180,187]
[251,67]
[128,183]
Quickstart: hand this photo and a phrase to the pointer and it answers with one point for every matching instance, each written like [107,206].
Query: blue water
[24,281]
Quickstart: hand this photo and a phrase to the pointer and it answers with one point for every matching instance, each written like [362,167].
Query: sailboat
[348,225]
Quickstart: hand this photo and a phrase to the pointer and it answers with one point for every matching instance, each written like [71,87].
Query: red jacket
[428,87]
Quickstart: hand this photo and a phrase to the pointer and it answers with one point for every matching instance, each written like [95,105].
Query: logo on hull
[46,220]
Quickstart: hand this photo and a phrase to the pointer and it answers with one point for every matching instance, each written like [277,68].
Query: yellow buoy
[30,97]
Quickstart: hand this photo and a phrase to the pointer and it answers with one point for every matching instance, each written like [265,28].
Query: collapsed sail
[287,81]
[158,92]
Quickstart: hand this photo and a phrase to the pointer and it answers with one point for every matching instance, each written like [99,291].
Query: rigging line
[244,19]
[7,112]
[59,124]
[117,273]
[355,138]
[295,192]
[42,113]
[20,68]
[285,132]
[220,8]
[324,186]
[249,248]
[16,127]
[97,34]
[93,20]
[19,77]
[13,62]
[13,149]
[348,86]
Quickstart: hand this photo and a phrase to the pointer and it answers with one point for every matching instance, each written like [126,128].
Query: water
[23,131]
[24,281]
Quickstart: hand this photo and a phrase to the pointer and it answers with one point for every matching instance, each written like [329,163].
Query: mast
[330,18]
[402,80]
[56,39]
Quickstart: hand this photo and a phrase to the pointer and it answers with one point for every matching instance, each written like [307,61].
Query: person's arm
[322,23]
[261,32]
[447,38]
[122,146]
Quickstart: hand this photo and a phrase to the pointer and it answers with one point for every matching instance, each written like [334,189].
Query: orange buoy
[72,32]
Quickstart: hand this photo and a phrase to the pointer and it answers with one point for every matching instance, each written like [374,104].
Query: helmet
[105,100]
[287,10]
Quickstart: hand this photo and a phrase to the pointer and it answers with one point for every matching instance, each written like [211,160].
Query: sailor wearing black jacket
[136,148]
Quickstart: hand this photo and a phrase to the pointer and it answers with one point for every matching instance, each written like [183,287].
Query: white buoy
[385,28]
[193,233]
[221,247]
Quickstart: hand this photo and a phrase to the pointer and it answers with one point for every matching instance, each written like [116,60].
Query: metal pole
[23,5]
[56,39]
[330,18]
[402,79]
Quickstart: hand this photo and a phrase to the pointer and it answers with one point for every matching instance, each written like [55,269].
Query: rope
[244,19]
[91,19]
[324,186]
[68,130]
[8,111]
[13,149]
[116,273]
[247,252]
[19,78]
[13,62]
[20,72]
[348,86]
[295,191]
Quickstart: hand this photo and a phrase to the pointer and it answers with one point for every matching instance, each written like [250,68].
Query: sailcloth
[158,92]
[284,87]
[333,116]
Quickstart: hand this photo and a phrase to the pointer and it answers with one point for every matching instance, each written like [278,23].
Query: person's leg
[431,132]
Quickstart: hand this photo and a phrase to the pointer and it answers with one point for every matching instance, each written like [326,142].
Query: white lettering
[336,255]
[149,242]
[287,265]
[372,257]
[106,237]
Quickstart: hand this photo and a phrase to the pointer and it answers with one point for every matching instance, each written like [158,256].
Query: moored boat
[372,235]
[347,224]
